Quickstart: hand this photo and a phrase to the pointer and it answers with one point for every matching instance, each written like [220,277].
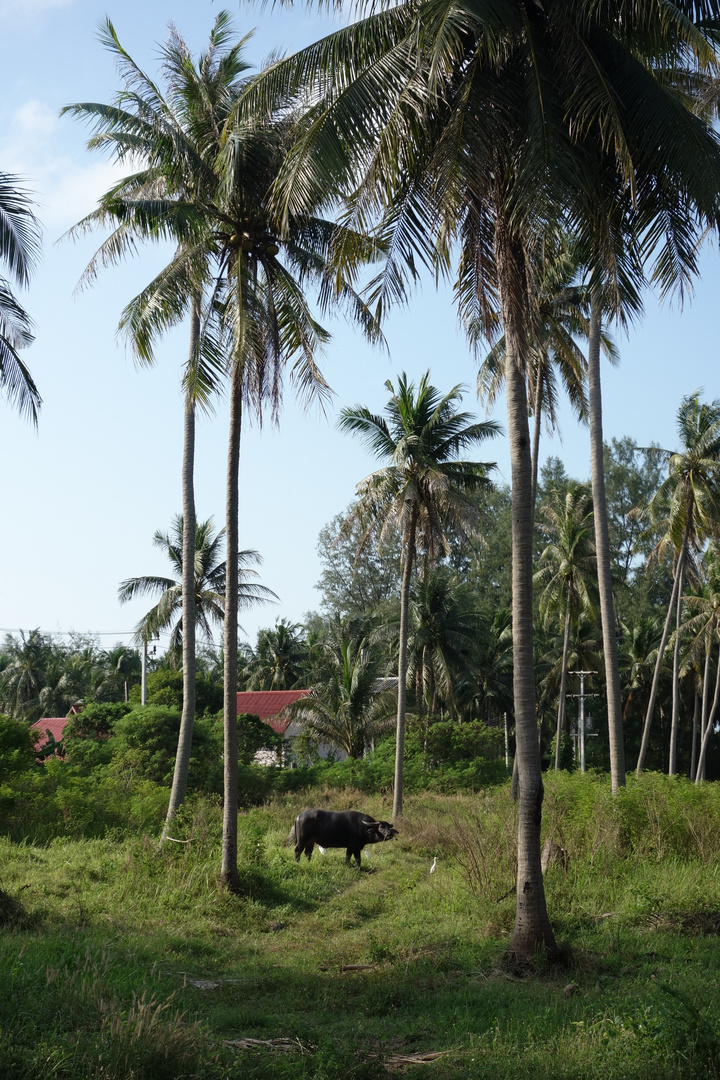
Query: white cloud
[65,186]
[25,11]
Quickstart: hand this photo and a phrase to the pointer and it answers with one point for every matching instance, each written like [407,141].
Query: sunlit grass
[130,962]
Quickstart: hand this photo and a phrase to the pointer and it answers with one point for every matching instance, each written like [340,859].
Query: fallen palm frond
[282,1045]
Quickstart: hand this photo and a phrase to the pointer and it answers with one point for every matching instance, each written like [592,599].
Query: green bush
[17,747]
[87,738]
[145,741]
[165,687]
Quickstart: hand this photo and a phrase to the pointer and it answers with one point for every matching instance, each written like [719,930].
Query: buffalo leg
[308,850]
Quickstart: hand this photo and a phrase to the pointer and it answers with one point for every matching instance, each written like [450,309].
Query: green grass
[99,972]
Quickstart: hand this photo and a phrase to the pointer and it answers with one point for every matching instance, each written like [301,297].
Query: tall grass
[120,961]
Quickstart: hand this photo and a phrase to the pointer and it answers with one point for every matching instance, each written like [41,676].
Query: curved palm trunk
[532,925]
[602,549]
[182,757]
[409,546]
[672,763]
[658,663]
[563,685]
[700,775]
[229,872]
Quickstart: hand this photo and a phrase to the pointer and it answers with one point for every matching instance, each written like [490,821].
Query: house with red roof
[270,706]
[53,724]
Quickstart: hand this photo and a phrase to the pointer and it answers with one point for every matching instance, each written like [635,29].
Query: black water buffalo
[349,829]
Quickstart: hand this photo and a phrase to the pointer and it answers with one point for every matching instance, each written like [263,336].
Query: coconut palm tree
[19,250]
[278,659]
[169,134]
[423,488]
[443,629]
[568,573]
[209,585]
[688,504]
[702,627]
[349,705]
[561,318]
[473,133]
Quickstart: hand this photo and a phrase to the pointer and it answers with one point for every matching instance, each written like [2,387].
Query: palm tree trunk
[409,554]
[532,925]
[658,663]
[672,763]
[698,713]
[563,685]
[602,549]
[229,870]
[537,423]
[700,775]
[187,720]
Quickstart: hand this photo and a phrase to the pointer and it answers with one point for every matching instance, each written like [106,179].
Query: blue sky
[84,494]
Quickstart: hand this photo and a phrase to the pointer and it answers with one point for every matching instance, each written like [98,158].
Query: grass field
[120,962]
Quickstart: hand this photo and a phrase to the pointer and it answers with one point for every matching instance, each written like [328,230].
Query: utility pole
[507,742]
[581,717]
[143,677]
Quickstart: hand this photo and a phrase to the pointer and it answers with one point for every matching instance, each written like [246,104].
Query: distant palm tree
[444,626]
[687,503]
[19,250]
[569,573]
[422,489]
[277,662]
[702,626]
[24,675]
[209,574]
[349,705]
[560,317]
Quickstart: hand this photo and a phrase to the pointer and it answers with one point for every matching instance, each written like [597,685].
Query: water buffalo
[349,829]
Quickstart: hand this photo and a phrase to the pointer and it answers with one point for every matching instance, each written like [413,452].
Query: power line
[71,633]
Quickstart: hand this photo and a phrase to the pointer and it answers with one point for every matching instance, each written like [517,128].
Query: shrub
[17,747]
[144,745]
[165,687]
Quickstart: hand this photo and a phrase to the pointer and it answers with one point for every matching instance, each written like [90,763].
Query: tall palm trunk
[563,685]
[182,757]
[602,548]
[409,553]
[672,763]
[229,871]
[700,775]
[537,423]
[532,925]
[703,712]
[661,652]
[698,714]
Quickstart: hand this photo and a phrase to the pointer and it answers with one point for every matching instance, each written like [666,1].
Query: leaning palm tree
[19,249]
[568,572]
[688,505]
[422,489]
[209,585]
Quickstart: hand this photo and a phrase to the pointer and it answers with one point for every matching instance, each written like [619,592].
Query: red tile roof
[56,726]
[268,705]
